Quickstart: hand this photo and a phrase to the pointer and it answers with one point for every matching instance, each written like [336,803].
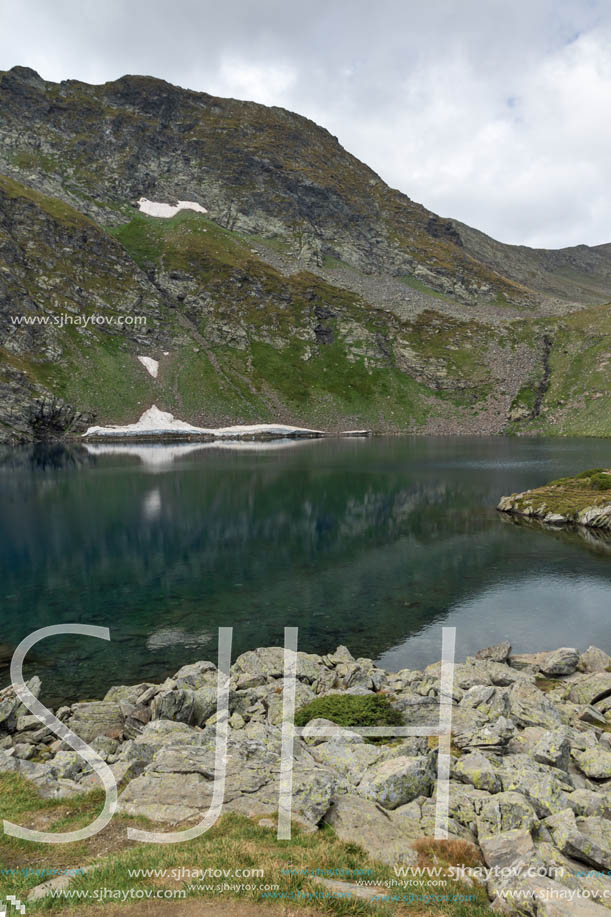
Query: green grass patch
[568,496]
[234,842]
[351,710]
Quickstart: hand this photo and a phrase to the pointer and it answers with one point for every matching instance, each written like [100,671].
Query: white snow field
[151,366]
[155,423]
[159,209]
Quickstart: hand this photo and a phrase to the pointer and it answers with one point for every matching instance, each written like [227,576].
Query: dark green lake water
[372,543]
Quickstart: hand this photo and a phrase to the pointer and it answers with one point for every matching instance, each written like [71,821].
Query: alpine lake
[374,543]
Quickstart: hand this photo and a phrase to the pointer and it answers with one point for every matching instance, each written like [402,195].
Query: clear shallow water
[373,543]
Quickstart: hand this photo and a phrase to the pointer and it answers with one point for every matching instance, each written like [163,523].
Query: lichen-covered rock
[584,838]
[275,701]
[466,804]
[130,693]
[553,748]
[398,781]
[589,802]
[491,737]
[166,797]
[594,660]
[197,675]
[500,652]
[44,778]
[504,812]
[477,770]
[544,787]
[97,718]
[529,707]
[562,661]
[595,763]
[590,688]
[378,832]
[11,707]
[490,701]
[269,661]
[350,760]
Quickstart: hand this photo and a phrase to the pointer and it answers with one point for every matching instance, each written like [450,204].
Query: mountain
[309,292]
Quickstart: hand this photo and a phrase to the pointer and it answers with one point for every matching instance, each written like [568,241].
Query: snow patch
[161,423]
[159,209]
[152,421]
[264,429]
[151,366]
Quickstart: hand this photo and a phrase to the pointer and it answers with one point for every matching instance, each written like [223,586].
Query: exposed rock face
[531,786]
[300,289]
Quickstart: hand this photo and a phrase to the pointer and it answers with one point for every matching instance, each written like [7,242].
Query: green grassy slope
[238,341]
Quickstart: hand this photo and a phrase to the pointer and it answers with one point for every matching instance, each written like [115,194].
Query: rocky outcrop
[583,501]
[531,756]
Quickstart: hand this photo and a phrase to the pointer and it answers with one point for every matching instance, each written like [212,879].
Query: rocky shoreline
[583,501]
[530,774]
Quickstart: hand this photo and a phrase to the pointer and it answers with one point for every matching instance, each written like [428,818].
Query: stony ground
[530,772]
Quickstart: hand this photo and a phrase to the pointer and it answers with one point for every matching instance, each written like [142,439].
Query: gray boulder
[398,781]
[594,660]
[590,688]
[529,707]
[553,748]
[350,760]
[358,820]
[97,718]
[594,762]
[477,770]
[584,838]
[505,812]
[504,850]
[197,675]
[498,653]
[562,661]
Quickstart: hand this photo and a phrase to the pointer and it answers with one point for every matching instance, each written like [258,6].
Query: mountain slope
[309,293]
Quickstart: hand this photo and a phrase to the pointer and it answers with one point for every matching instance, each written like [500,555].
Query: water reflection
[371,543]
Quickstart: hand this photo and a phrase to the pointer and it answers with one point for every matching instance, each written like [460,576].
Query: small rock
[591,715]
[354,818]
[595,763]
[589,688]
[498,653]
[554,748]
[562,661]
[24,751]
[502,850]
[477,770]
[594,660]
[396,782]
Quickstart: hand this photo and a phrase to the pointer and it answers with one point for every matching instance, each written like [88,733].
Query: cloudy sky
[496,113]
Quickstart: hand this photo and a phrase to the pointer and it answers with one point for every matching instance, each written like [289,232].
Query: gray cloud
[493,113]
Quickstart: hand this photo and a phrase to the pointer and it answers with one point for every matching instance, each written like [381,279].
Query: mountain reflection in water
[372,543]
